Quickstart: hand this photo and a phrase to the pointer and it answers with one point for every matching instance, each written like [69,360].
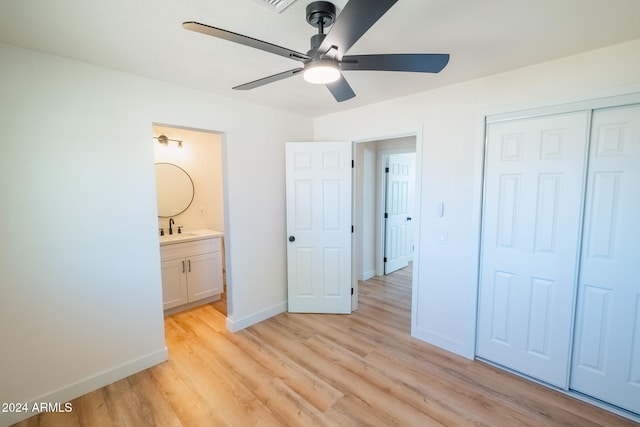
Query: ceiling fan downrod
[320,14]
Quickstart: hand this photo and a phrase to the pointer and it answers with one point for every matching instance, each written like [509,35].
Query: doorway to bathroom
[198,153]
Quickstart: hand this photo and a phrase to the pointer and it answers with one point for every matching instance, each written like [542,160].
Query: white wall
[451,164]
[80,290]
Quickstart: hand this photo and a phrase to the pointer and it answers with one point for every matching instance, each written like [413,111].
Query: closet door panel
[532,209]
[606,361]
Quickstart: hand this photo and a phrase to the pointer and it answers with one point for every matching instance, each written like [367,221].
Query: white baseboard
[237,325]
[366,275]
[88,385]
[443,342]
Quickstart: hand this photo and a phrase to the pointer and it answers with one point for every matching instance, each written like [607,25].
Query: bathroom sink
[172,237]
[189,235]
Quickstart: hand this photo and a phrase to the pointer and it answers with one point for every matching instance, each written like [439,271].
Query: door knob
[292,239]
[408,218]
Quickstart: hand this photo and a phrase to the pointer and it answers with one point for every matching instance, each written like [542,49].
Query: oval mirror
[174,189]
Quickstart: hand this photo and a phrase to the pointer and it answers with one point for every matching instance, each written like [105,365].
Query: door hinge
[351,291]
[352,228]
[385,259]
[353,164]
[386,215]
[386,170]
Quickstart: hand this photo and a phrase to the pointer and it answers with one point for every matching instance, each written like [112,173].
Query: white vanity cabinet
[191,271]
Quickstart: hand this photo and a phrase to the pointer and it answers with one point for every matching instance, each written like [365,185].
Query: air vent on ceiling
[277,5]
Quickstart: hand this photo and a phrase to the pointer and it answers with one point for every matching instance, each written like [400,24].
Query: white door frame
[358,211]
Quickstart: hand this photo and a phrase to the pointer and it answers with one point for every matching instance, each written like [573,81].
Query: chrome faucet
[171,222]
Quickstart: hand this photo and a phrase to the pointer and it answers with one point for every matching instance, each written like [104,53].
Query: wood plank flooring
[362,369]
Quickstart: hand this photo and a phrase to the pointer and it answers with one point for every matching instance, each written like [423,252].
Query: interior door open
[318,190]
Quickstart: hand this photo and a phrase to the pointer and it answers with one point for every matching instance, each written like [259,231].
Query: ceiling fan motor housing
[321,14]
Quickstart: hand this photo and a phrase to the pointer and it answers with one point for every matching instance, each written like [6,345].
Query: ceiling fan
[325,61]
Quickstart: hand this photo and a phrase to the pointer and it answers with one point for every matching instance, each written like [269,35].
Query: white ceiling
[145,37]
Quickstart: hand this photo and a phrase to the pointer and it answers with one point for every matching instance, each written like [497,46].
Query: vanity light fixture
[163,140]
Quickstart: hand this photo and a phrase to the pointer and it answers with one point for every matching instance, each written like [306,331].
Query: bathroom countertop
[187,236]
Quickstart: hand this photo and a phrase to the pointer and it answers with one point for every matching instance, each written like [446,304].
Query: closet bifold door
[606,353]
[532,211]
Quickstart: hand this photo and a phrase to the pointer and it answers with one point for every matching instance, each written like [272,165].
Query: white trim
[568,106]
[417,206]
[91,383]
[443,342]
[252,319]
[355,240]
[476,227]
[366,275]
[382,160]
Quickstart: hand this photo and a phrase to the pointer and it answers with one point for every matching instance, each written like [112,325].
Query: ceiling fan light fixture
[322,71]
[325,61]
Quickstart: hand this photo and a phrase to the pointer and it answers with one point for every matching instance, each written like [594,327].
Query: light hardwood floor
[321,370]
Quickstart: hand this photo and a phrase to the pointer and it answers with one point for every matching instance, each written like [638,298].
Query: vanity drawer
[194,247]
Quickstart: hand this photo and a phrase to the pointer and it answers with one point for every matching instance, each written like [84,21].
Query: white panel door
[531,227]
[318,188]
[606,361]
[398,242]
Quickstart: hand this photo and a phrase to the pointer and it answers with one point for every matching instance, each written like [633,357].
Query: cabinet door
[606,362]
[174,283]
[531,227]
[204,274]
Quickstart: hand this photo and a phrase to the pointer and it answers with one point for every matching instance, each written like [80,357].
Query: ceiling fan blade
[245,40]
[413,62]
[266,80]
[341,90]
[354,20]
